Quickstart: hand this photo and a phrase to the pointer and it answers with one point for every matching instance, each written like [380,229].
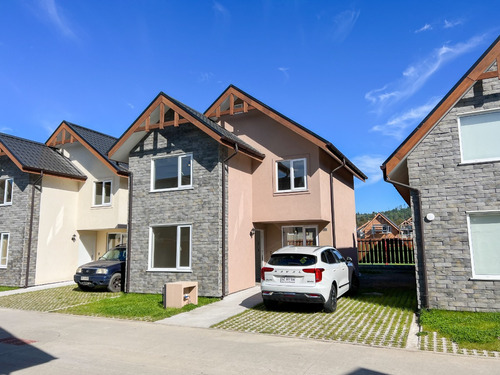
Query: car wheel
[85,288]
[331,305]
[270,305]
[354,285]
[115,284]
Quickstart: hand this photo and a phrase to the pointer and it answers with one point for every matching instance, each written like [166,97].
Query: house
[379,227]
[63,203]
[448,170]
[214,194]
[406,229]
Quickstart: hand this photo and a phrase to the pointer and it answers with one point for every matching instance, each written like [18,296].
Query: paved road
[65,344]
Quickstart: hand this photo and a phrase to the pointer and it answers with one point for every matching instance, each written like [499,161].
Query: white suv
[307,274]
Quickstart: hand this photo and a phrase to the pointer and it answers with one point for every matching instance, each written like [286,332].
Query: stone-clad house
[212,195]
[448,169]
[63,203]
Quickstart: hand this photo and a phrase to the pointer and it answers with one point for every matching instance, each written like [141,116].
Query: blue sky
[361,74]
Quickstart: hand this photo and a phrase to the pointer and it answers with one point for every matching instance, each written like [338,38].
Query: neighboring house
[212,196]
[379,227]
[406,229]
[448,169]
[64,203]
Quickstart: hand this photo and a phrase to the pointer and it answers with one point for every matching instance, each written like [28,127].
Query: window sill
[291,192]
[474,162]
[102,206]
[485,278]
[174,270]
[174,189]
[5,204]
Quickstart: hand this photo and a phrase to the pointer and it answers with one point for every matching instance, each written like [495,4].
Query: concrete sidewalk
[36,288]
[208,315]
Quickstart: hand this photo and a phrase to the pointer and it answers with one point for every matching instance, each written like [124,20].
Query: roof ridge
[72,124]
[22,139]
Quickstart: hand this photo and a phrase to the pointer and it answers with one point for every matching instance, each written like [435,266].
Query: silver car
[307,274]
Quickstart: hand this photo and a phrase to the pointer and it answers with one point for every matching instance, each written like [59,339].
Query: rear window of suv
[292,260]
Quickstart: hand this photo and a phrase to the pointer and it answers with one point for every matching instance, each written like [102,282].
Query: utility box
[180,293]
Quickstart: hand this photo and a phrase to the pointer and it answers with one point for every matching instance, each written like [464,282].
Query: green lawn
[5,288]
[470,330]
[146,307]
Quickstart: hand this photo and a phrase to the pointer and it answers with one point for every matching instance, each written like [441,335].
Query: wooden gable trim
[74,137]
[476,74]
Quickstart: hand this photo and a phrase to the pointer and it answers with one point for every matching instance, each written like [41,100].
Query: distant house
[62,204]
[214,194]
[379,227]
[448,170]
[406,229]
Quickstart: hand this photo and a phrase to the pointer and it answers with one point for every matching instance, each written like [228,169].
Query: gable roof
[385,218]
[166,111]
[34,157]
[234,100]
[97,143]
[479,71]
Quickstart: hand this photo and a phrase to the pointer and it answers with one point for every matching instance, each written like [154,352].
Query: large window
[102,193]
[173,172]
[170,247]
[115,239]
[300,236]
[291,175]
[484,228]
[4,249]
[6,191]
[479,135]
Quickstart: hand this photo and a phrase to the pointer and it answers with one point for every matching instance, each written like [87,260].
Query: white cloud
[370,165]
[205,77]
[5,129]
[397,125]
[220,9]
[417,74]
[130,105]
[343,23]
[285,72]
[450,24]
[426,27]
[56,17]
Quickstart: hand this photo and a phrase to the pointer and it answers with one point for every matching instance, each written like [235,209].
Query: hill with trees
[397,215]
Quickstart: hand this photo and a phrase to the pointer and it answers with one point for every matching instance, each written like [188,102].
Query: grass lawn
[470,330]
[146,307]
[5,288]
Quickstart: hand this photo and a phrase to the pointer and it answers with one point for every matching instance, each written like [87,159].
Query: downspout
[334,241]
[422,245]
[224,208]
[129,232]
[30,233]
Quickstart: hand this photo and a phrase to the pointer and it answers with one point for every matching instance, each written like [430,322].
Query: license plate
[287,279]
[84,278]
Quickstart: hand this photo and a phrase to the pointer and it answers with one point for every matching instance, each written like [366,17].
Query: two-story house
[448,169]
[213,195]
[64,203]
[379,227]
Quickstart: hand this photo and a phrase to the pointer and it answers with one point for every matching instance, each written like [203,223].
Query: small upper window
[292,175]
[479,136]
[102,193]
[174,172]
[6,191]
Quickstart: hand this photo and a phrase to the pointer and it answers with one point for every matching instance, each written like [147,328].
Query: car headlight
[79,270]
[101,271]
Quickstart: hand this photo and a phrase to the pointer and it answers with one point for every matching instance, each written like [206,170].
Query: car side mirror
[348,259]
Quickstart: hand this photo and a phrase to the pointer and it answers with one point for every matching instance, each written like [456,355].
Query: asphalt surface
[47,343]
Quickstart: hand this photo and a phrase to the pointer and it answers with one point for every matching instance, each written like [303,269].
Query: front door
[259,252]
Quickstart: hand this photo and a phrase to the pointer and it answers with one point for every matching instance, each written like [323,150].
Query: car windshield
[292,260]
[114,254]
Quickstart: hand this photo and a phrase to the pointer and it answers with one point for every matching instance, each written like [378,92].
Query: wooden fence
[391,251]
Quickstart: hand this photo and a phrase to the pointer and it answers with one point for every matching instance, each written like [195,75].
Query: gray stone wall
[200,206]
[15,220]
[449,190]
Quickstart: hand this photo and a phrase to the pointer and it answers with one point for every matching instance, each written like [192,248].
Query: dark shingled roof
[225,134]
[38,157]
[100,142]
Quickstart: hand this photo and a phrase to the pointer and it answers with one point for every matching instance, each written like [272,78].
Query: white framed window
[172,173]
[291,175]
[4,249]
[102,193]
[300,235]
[6,185]
[115,239]
[483,228]
[479,135]
[170,248]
